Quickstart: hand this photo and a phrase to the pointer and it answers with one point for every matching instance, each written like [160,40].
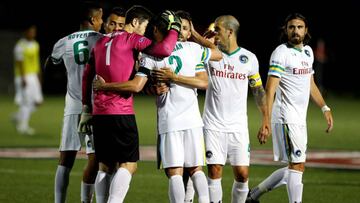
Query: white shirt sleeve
[58,51]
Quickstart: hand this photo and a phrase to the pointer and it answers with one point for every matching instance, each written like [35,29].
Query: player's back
[114,61]
[74,51]
[178,109]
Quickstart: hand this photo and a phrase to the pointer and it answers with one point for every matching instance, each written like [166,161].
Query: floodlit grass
[48,120]
[32,180]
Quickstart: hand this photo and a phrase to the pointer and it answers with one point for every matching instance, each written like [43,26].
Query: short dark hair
[183,14]
[137,11]
[292,16]
[119,11]
[87,10]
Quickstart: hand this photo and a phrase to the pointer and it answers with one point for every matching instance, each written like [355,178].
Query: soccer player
[179,119]
[28,94]
[225,116]
[173,128]
[115,21]
[114,124]
[73,50]
[291,82]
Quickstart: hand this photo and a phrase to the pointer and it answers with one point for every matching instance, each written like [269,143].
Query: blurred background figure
[28,93]
[319,63]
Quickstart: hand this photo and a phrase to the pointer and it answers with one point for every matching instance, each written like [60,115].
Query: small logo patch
[209,154]
[243,59]
[252,82]
[307,53]
[298,153]
[142,62]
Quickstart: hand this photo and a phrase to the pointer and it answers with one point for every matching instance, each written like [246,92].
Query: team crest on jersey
[89,144]
[243,59]
[252,82]
[307,52]
[209,154]
[298,153]
[142,62]
[141,40]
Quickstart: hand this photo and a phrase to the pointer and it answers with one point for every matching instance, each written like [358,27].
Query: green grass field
[48,120]
[31,180]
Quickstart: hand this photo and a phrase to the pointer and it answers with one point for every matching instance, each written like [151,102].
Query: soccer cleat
[249,199]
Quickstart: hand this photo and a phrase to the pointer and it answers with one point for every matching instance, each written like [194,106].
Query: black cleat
[249,199]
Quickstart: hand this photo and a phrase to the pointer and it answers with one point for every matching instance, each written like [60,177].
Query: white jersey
[178,109]
[294,68]
[74,50]
[226,97]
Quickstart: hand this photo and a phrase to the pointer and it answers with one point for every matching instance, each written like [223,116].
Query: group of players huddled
[165,56]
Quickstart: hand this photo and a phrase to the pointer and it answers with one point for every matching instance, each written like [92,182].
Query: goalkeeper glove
[85,120]
[174,21]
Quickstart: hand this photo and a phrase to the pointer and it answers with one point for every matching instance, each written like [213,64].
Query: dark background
[337,22]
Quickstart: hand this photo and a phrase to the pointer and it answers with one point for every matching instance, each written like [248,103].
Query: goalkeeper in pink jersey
[114,124]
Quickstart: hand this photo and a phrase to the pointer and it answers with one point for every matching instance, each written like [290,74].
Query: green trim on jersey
[297,49]
[234,52]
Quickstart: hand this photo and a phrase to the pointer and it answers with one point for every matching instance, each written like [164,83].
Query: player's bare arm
[134,85]
[260,99]
[216,54]
[320,102]
[200,80]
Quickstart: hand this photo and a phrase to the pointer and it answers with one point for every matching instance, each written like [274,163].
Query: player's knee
[214,171]
[241,173]
[297,166]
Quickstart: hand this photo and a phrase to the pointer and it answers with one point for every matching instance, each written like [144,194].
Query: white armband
[325,108]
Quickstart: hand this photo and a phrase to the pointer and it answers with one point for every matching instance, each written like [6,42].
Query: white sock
[24,117]
[189,191]
[295,186]
[215,190]
[87,192]
[201,186]
[102,186]
[61,183]
[176,189]
[119,186]
[239,192]
[275,180]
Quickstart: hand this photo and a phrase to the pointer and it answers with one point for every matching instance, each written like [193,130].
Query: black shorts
[116,138]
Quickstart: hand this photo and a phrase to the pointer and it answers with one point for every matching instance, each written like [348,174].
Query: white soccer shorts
[71,140]
[234,146]
[31,93]
[289,142]
[184,148]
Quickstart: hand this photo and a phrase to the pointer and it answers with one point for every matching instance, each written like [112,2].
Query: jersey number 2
[178,62]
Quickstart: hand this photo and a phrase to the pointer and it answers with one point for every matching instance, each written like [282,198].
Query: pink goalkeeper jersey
[114,61]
